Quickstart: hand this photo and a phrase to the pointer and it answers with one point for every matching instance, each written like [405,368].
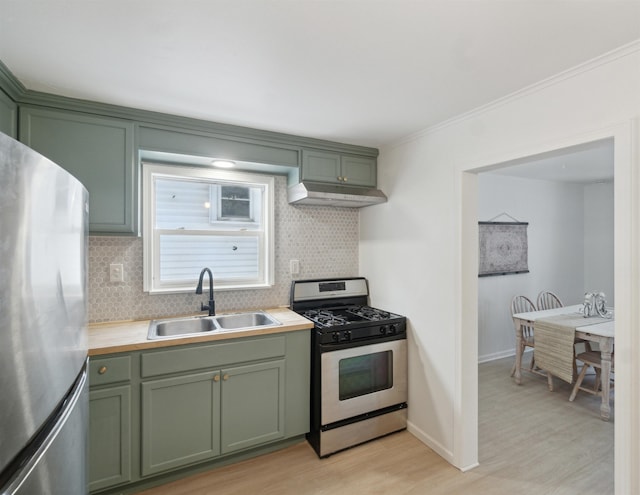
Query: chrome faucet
[212,305]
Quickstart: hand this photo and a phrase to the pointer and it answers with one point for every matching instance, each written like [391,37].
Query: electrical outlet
[294,267]
[116,272]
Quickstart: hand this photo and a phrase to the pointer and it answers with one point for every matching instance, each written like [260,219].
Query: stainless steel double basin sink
[203,325]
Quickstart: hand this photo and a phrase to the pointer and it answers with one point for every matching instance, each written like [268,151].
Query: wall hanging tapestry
[503,248]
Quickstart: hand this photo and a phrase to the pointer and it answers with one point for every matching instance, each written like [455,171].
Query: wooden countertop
[124,336]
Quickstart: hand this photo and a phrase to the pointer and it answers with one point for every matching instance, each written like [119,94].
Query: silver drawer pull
[102,370]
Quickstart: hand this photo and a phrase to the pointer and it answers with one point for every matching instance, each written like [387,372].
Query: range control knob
[335,336]
[383,329]
[392,329]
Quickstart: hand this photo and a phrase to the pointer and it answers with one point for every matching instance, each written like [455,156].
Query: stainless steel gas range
[358,364]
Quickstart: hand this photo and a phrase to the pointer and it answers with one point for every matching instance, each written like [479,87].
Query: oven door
[363,379]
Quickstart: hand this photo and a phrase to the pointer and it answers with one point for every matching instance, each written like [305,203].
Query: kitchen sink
[180,327]
[246,320]
[202,325]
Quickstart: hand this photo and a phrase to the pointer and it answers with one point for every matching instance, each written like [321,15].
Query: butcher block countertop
[124,336]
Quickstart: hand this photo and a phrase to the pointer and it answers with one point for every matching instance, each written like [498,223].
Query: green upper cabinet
[336,168]
[359,170]
[98,151]
[8,116]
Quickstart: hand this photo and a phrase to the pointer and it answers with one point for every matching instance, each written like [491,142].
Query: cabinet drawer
[210,356]
[109,370]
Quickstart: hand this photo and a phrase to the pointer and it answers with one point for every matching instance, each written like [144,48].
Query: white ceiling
[584,164]
[364,72]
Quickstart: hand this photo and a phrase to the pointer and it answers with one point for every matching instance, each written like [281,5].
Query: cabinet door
[98,151]
[8,116]
[321,166]
[359,171]
[252,405]
[180,421]
[109,437]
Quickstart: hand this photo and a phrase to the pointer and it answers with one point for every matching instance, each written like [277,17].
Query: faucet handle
[211,307]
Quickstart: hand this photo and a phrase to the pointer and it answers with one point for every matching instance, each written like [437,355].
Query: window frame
[151,235]
[215,212]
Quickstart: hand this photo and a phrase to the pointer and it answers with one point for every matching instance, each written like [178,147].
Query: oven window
[362,375]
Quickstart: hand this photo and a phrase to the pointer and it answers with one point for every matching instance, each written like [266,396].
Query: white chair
[590,359]
[548,300]
[522,304]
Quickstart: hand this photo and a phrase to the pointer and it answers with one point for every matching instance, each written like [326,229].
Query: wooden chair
[548,300]
[522,304]
[591,359]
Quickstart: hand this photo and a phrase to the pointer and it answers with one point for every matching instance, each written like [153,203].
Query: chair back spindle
[548,300]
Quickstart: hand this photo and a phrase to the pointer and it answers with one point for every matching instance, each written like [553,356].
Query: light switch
[116,272]
[294,267]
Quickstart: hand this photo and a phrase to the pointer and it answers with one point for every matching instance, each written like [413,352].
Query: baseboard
[495,355]
[503,354]
[437,447]
[434,445]
[469,468]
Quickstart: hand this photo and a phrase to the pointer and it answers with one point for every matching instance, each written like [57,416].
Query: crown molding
[10,84]
[604,59]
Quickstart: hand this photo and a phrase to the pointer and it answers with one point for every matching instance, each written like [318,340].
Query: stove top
[348,315]
[339,310]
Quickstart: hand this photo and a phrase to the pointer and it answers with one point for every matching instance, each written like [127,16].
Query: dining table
[602,333]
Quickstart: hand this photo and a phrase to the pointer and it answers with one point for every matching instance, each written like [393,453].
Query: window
[196,217]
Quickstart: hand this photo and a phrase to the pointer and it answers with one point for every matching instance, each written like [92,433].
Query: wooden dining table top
[604,329]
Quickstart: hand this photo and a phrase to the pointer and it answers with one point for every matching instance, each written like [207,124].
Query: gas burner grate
[324,318]
[369,313]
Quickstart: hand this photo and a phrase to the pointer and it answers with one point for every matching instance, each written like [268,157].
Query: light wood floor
[532,441]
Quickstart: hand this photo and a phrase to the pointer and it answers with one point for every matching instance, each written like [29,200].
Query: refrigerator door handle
[44,440]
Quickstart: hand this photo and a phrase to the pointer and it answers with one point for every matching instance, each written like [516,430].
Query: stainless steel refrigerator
[43,325]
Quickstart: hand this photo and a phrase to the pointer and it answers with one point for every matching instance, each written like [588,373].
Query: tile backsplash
[324,239]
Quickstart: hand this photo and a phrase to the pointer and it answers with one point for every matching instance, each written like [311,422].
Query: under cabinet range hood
[315,193]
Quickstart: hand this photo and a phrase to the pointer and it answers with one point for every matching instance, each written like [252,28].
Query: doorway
[625,286]
[563,196]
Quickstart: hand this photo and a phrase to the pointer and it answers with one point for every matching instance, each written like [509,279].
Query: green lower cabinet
[252,405]
[196,417]
[169,411]
[180,421]
[110,437]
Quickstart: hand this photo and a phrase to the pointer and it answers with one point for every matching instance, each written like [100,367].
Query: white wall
[598,239]
[554,211]
[419,249]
